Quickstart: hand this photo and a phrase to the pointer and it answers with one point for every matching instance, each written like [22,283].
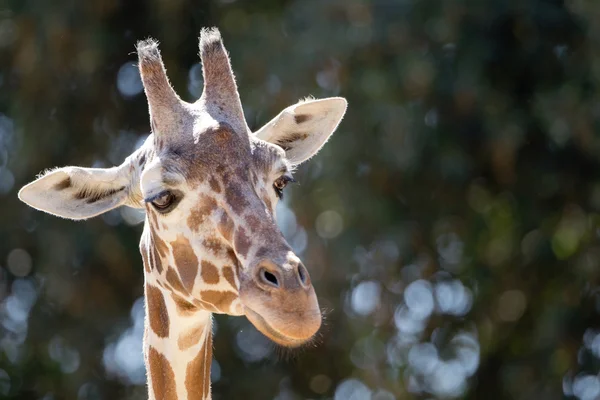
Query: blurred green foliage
[451,225]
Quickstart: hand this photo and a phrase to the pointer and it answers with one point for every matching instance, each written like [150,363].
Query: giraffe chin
[263,326]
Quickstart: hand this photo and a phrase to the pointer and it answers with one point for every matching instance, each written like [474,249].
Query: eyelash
[173,200]
[283,181]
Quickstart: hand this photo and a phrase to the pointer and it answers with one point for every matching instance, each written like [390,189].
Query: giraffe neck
[177,347]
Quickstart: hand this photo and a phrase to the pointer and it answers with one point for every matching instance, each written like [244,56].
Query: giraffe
[209,187]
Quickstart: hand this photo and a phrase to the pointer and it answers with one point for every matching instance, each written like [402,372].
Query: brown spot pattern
[157,263]
[184,307]
[174,280]
[213,244]
[197,374]
[205,306]
[262,252]
[226,226]
[162,376]
[220,300]
[145,261]
[185,261]
[199,214]
[191,337]
[242,242]
[234,196]
[223,134]
[161,246]
[229,276]
[157,311]
[268,203]
[214,184]
[209,272]
[253,223]
[231,256]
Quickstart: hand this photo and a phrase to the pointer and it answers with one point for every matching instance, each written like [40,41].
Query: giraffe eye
[280,184]
[163,201]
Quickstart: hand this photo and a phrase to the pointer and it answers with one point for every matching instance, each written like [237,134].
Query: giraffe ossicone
[210,243]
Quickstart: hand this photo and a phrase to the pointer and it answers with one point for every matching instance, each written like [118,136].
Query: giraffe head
[209,187]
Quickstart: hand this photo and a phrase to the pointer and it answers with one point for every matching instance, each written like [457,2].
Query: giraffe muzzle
[280,301]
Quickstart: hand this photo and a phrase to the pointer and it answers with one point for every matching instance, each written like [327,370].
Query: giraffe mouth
[263,326]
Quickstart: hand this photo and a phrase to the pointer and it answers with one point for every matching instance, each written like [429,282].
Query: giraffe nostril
[302,274]
[269,278]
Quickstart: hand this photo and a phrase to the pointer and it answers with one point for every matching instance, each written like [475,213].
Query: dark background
[451,225]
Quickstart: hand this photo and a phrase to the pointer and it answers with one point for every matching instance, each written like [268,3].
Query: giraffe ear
[78,193]
[302,129]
